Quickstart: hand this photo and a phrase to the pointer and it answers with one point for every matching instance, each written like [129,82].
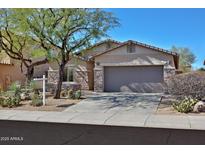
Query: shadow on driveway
[125,101]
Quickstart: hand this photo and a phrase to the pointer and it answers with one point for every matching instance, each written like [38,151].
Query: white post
[44,90]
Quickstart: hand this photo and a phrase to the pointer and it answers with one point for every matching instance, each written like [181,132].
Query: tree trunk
[29,73]
[60,81]
[30,68]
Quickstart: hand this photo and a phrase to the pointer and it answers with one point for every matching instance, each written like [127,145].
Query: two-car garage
[133,78]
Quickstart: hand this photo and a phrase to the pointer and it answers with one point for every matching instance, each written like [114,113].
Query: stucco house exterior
[9,72]
[108,66]
[112,66]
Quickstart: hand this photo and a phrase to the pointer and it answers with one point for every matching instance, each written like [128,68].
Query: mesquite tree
[186,57]
[17,45]
[66,31]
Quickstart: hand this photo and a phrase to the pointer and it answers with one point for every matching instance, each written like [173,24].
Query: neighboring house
[112,66]
[9,73]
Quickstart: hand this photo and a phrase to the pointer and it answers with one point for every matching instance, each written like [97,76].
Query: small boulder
[23,96]
[199,107]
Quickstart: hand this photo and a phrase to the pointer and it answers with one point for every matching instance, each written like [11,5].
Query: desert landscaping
[185,94]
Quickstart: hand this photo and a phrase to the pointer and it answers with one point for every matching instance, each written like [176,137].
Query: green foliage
[64,31]
[74,94]
[52,27]
[15,87]
[186,105]
[12,97]
[1,100]
[32,85]
[17,43]
[64,93]
[78,94]
[36,53]
[10,101]
[71,94]
[186,58]
[201,69]
[36,100]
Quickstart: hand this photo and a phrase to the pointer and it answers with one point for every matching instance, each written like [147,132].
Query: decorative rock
[23,96]
[199,107]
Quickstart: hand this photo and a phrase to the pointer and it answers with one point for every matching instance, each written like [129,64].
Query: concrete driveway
[142,103]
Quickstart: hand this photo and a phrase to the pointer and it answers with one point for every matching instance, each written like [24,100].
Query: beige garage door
[133,78]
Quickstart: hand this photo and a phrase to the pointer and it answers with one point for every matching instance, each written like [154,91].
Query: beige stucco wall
[4,59]
[83,73]
[142,56]
[9,74]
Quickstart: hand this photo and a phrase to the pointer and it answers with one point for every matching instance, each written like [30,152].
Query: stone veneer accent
[82,78]
[169,72]
[99,79]
[53,76]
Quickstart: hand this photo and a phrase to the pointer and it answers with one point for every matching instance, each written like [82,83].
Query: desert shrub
[64,93]
[71,94]
[11,98]
[74,94]
[187,84]
[10,101]
[78,94]
[25,95]
[36,100]
[1,100]
[201,69]
[31,86]
[185,105]
[15,87]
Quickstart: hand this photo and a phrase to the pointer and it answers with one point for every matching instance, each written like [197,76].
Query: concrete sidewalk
[123,118]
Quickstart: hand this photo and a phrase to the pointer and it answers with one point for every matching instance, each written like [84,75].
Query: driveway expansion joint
[110,117]
[126,111]
[145,122]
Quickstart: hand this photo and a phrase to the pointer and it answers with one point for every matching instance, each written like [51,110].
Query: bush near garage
[187,84]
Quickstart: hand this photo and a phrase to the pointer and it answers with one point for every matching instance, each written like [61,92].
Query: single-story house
[112,66]
[108,66]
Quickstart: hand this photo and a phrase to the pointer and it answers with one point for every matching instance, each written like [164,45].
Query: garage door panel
[133,78]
